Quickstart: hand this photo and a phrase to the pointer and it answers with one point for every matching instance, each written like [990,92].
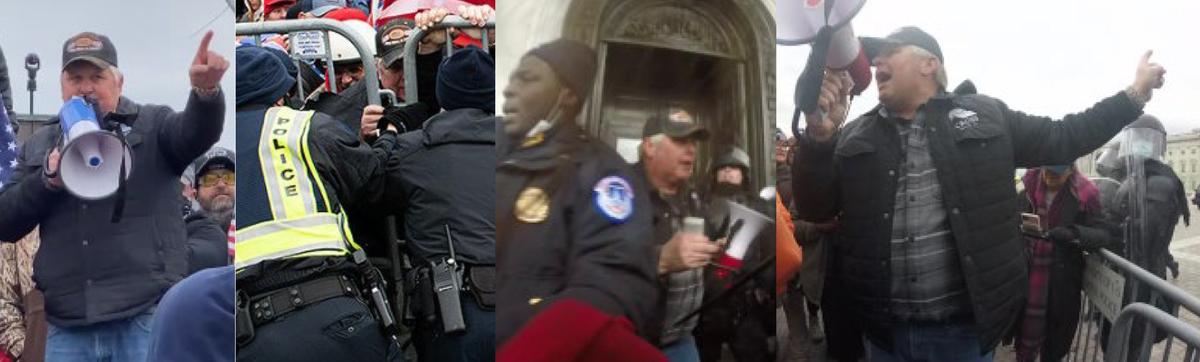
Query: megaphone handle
[119,206]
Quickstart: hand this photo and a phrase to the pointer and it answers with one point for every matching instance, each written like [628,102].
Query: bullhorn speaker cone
[798,21]
[90,163]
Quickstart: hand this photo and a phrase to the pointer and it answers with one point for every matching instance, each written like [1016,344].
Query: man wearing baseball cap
[667,160]
[215,183]
[930,261]
[104,264]
[389,46]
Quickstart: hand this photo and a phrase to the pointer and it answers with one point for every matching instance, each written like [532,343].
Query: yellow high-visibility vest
[299,226]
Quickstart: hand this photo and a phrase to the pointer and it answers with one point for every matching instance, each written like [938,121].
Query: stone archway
[714,59]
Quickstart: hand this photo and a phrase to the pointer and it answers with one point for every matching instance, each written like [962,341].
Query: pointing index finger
[203,50]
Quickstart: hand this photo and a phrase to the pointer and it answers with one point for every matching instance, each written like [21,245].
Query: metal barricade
[1159,320]
[1104,301]
[414,42]
[293,27]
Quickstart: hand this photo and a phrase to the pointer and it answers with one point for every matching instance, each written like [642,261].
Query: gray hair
[654,141]
[940,75]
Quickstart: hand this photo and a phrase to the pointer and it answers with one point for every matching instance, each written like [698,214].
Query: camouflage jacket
[16,280]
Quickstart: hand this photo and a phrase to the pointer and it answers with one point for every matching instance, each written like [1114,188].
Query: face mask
[545,124]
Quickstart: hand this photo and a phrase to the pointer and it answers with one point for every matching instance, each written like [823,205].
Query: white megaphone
[744,226]
[799,21]
[825,24]
[92,158]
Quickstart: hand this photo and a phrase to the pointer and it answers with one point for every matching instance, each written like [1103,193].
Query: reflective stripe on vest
[299,227]
[312,235]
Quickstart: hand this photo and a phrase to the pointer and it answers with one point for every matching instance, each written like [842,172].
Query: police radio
[447,282]
[373,283]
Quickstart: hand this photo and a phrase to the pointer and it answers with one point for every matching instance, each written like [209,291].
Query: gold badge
[532,140]
[533,205]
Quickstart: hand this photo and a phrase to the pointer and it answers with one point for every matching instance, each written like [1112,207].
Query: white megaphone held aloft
[799,21]
[92,158]
[825,24]
[744,226]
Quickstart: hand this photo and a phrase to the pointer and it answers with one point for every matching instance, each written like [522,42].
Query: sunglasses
[211,179]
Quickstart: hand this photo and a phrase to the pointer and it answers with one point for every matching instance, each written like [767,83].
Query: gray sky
[1047,58]
[156,41]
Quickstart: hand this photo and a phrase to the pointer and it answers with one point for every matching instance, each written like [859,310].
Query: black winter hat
[261,77]
[572,61]
[467,79]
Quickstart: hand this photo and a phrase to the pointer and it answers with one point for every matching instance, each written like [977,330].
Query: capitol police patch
[614,198]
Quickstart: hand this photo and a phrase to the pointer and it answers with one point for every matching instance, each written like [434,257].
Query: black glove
[1062,234]
[406,118]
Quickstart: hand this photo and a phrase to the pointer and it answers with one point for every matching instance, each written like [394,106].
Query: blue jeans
[683,350]
[950,342]
[120,340]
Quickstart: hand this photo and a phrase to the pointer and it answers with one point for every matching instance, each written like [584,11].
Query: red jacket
[570,330]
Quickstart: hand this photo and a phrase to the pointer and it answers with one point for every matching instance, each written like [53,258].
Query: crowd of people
[370,217]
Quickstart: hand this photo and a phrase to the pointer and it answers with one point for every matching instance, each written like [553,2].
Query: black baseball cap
[675,125]
[90,47]
[391,38]
[909,35]
[218,158]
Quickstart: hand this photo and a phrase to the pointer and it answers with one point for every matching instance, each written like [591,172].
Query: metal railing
[291,27]
[1119,340]
[1088,343]
[414,43]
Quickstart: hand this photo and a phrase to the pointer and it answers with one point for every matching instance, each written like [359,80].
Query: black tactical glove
[1062,234]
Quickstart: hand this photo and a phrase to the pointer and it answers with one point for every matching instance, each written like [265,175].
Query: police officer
[303,284]
[443,179]
[745,319]
[728,180]
[572,221]
[1149,203]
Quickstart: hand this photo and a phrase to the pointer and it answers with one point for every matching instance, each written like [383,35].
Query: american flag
[230,237]
[8,148]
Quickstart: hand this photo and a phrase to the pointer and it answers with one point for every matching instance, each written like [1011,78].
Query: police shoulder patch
[614,198]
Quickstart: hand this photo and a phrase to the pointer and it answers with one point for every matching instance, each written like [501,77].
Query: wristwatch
[206,92]
[1138,98]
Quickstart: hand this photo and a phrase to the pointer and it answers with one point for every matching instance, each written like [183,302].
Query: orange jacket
[787,251]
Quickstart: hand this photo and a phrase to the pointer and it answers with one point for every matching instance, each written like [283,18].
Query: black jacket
[1066,273]
[92,270]
[351,172]
[207,244]
[574,252]
[443,175]
[975,155]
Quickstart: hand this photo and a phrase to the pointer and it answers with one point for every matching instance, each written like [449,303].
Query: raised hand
[208,67]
